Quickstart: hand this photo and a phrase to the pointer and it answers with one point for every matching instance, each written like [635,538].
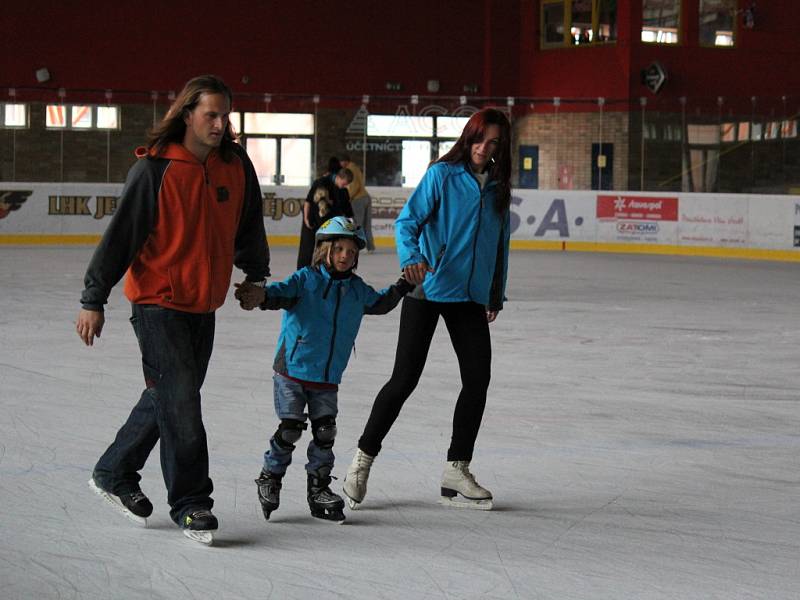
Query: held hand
[249,295]
[89,324]
[415,274]
[491,315]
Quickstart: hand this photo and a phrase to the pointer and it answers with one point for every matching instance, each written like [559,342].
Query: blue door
[529,167]
[602,166]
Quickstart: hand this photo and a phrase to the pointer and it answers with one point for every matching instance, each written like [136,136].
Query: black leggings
[469,333]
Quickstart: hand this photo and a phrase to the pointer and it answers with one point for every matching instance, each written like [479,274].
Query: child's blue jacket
[321,321]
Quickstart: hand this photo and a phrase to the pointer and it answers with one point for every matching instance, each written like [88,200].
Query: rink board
[724,225]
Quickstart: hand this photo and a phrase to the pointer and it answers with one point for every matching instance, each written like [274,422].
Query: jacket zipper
[475,240]
[208,232]
[296,344]
[333,336]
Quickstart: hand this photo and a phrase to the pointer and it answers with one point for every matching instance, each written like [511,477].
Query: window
[789,129]
[705,135]
[279,145]
[14,115]
[450,127]
[279,123]
[399,126]
[771,130]
[717,22]
[744,131]
[584,22]
[107,117]
[552,23]
[86,117]
[82,117]
[660,21]
[580,30]
[400,147]
[728,132]
[672,132]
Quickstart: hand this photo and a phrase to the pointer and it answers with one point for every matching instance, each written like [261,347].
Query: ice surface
[642,440]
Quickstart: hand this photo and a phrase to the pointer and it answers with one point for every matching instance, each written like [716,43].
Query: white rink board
[708,220]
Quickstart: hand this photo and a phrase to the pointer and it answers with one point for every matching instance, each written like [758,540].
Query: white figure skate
[355,481]
[460,489]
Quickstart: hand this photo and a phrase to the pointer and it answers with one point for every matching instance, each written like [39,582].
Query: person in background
[452,241]
[360,200]
[190,209]
[327,198]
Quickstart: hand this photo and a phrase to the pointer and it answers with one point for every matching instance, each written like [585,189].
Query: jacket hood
[171,152]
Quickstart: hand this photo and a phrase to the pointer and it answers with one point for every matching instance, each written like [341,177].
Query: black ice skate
[134,505]
[324,504]
[269,492]
[199,525]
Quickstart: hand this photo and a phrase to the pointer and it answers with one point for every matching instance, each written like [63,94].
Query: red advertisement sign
[645,208]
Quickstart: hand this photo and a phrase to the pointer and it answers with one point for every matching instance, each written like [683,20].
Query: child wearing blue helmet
[324,304]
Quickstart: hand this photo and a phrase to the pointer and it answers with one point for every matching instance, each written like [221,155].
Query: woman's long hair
[500,164]
[172,127]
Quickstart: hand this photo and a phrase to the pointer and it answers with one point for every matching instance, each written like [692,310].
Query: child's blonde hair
[322,253]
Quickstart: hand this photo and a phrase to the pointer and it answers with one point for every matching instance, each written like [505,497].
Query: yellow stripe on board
[663,249]
[26,239]
[540,245]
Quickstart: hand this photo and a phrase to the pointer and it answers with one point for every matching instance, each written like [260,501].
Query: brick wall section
[565,139]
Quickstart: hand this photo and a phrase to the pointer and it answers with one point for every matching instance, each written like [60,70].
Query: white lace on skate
[355,480]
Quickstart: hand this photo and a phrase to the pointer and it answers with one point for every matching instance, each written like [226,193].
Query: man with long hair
[452,241]
[190,209]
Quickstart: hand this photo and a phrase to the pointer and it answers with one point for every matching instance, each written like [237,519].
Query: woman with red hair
[452,241]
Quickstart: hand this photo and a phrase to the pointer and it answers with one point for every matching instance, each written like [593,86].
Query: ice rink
[641,439]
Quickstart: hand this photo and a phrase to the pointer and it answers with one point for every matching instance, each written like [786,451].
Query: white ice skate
[116,502]
[355,481]
[458,481]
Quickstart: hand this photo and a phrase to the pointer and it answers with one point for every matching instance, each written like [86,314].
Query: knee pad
[289,431]
[324,431]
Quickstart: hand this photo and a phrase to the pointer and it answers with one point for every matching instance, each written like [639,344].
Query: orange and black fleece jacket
[179,227]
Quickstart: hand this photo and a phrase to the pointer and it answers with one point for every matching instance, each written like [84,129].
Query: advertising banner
[587,219]
[715,220]
[637,218]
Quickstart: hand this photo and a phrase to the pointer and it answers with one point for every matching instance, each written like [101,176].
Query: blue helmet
[341,227]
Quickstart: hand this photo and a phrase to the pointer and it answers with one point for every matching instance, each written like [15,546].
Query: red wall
[356,46]
[301,46]
[762,64]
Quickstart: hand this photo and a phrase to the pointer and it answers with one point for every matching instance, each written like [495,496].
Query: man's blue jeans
[176,347]
[291,398]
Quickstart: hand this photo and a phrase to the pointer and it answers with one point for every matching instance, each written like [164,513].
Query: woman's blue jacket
[452,224]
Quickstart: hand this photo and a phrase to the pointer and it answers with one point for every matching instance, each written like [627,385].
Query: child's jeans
[291,398]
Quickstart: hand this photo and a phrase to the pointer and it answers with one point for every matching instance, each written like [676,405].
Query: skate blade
[335,518]
[461,502]
[352,503]
[203,536]
[117,504]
